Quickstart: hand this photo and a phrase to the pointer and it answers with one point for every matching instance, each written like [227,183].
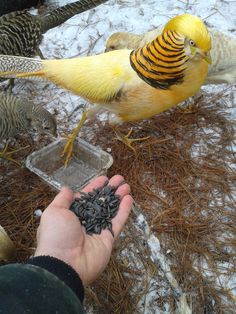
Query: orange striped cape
[162,62]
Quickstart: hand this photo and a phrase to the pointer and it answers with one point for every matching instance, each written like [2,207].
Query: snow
[161,260]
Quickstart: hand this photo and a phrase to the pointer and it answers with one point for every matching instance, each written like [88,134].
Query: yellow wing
[98,78]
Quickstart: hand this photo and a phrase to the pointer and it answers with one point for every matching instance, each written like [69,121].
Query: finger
[120,219]
[116,180]
[118,222]
[94,184]
[63,199]
[123,190]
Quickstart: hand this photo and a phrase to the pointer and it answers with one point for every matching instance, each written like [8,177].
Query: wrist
[64,256]
[62,270]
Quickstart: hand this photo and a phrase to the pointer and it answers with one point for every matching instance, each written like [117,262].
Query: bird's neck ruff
[162,62]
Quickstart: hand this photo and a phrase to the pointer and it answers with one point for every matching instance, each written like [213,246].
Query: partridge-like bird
[126,40]
[132,84]
[223,52]
[7,6]
[21,116]
[21,33]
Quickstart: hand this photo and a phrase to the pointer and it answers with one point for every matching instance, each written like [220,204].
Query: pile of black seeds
[96,209]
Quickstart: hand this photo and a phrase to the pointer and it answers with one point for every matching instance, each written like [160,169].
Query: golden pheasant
[133,85]
[223,67]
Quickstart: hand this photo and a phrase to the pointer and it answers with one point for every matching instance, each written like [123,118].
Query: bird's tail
[14,66]
[62,14]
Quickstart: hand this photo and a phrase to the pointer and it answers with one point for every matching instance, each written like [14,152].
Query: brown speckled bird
[7,6]
[21,116]
[21,32]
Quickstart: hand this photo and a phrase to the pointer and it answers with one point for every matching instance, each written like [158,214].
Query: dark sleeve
[62,270]
[34,289]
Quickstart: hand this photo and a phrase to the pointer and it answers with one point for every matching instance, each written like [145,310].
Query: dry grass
[183,177]
[21,194]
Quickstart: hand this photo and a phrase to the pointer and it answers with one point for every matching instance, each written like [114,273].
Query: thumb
[63,199]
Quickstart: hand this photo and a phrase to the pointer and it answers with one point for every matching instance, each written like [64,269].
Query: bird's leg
[125,138]
[191,107]
[7,155]
[68,149]
[188,109]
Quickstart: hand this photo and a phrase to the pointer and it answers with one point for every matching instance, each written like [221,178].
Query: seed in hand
[96,209]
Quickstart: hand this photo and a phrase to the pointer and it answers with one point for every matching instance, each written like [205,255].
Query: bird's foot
[68,149]
[129,141]
[8,155]
[191,108]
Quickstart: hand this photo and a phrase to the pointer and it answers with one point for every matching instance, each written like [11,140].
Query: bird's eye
[192,43]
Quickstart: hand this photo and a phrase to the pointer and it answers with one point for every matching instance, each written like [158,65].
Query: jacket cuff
[62,270]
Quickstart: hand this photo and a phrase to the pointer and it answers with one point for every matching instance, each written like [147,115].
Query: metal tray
[90,162]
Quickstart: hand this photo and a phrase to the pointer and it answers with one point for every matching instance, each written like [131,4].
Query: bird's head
[121,40]
[114,42]
[49,126]
[196,37]
[42,122]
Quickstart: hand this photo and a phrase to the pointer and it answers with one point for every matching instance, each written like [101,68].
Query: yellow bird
[132,84]
[223,67]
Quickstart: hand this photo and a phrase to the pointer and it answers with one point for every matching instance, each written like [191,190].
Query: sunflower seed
[96,209]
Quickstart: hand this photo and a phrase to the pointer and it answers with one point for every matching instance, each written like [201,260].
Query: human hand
[61,235]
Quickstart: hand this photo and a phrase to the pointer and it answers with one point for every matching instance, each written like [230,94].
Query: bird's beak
[52,136]
[192,50]
[207,57]
[54,133]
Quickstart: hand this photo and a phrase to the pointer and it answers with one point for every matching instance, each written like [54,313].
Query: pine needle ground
[183,178]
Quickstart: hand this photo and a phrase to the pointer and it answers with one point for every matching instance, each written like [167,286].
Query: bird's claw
[128,141]
[7,155]
[68,149]
[188,109]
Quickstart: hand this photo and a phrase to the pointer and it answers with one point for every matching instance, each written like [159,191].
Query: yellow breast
[143,101]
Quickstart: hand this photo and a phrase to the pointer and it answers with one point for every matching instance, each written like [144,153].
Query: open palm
[61,235]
